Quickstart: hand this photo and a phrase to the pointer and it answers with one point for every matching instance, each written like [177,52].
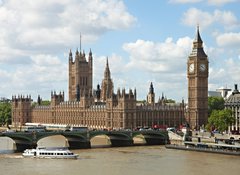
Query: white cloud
[228,39]
[194,16]
[53,25]
[210,2]
[44,74]
[220,2]
[34,35]
[46,60]
[117,67]
[226,75]
[163,63]
[159,57]
[184,1]
[227,18]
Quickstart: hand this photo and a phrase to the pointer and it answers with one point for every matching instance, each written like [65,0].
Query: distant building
[214,94]
[100,108]
[221,92]
[233,103]
[224,92]
[5,100]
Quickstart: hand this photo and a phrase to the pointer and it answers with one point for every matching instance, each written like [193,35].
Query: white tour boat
[61,153]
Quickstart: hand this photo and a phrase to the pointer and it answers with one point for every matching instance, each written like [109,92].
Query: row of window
[58,154]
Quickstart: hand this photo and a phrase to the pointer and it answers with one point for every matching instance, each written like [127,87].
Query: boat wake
[11,156]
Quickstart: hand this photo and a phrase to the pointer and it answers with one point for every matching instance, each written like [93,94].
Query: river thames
[139,160]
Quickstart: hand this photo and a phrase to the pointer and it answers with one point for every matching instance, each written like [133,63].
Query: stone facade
[197,85]
[100,108]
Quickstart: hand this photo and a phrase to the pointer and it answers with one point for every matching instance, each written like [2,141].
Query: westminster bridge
[82,139]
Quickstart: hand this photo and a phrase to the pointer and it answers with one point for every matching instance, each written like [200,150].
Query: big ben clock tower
[197,74]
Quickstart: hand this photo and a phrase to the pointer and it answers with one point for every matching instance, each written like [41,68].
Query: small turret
[77,56]
[151,89]
[118,93]
[135,93]
[151,95]
[70,56]
[21,107]
[90,58]
[56,99]
[235,91]
[98,92]
[39,100]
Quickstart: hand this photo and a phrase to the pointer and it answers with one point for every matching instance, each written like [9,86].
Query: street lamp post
[197,121]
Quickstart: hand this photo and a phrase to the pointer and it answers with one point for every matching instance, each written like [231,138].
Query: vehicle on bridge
[33,128]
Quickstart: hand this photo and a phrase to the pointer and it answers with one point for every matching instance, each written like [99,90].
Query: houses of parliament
[102,108]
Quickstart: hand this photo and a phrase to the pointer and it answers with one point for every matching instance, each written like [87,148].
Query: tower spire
[107,71]
[198,37]
[197,49]
[80,44]
[151,89]
[107,84]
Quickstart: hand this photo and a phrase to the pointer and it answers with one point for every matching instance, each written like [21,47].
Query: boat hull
[206,150]
[50,153]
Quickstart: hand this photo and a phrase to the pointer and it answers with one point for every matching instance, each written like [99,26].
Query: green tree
[5,113]
[45,103]
[170,101]
[220,120]
[215,103]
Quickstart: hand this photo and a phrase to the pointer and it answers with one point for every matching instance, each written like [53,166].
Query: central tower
[197,84]
[80,75]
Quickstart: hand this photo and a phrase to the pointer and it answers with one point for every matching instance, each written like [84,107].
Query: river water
[139,160]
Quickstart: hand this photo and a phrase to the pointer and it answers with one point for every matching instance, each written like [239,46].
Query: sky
[144,40]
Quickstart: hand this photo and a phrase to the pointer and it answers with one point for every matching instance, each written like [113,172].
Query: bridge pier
[155,141]
[20,147]
[121,143]
[75,144]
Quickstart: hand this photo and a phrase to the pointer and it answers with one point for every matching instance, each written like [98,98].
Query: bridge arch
[100,140]
[151,137]
[116,138]
[139,139]
[21,141]
[53,141]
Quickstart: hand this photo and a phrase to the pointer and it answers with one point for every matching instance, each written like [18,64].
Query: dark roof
[198,37]
[197,46]
[233,100]
[199,52]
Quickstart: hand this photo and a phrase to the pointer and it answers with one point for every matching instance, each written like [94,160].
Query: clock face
[191,68]
[202,67]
